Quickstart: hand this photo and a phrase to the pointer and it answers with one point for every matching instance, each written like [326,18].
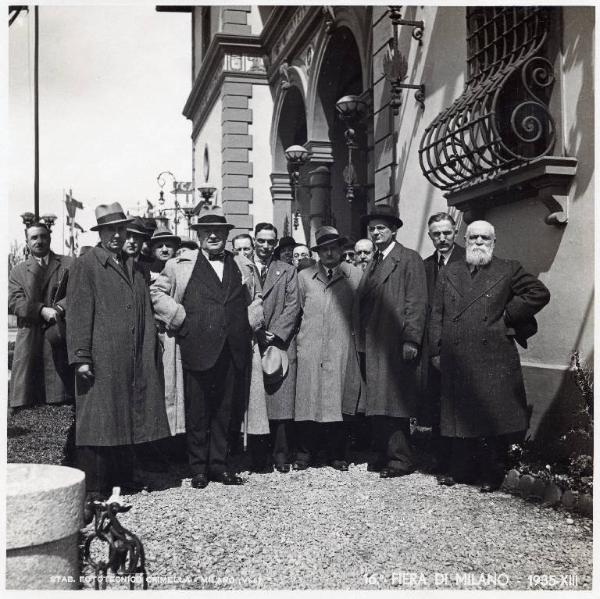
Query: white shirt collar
[446,255]
[43,260]
[388,249]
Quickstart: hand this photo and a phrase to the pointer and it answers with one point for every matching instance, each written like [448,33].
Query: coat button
[129,306]
[484,342]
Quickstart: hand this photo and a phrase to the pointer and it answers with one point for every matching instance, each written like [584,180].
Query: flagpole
[36,117]
[63,221]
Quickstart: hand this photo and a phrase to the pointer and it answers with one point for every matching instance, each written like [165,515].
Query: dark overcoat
[281,306]
[429,378]
[391,309]
[40,372]
[472,329]
[110,325]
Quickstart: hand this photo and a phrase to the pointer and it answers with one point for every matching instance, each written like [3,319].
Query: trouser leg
[280,440]
[197,421]
[259,447]
[464,459]
[105,467]
[392,442]
[336,437]
[305,441]
[492,459]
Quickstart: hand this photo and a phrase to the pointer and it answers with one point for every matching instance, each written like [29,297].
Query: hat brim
[111,223]
[144,234]
[165,238]
[279,375]
[227,226]
[340,241]
[366,218]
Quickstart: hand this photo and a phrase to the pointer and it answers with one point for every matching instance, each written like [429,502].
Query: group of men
[293,351]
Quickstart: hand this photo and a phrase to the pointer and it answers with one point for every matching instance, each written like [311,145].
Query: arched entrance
[340,75]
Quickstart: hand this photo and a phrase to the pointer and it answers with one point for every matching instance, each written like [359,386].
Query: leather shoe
[262,469]
[299,466]
[200,481]
[227,478]
[283,468]
[340,465]
[375,467]
[392,473]
[446,481]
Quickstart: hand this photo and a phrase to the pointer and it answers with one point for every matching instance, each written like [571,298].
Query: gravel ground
[323,529]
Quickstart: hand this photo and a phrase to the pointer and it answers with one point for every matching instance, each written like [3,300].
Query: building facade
[497,123]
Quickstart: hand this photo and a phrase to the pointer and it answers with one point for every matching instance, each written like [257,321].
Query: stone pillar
[320,199]
[281,192]
[44,512]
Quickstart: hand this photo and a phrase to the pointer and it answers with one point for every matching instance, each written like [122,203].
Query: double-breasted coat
[39,371]
[324,341]
[472,329]
[391,310]
[429,378]
[281,306]
[110,325]
[167,293]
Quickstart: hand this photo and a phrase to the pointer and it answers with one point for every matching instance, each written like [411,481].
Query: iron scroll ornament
[501,120]
[126,557]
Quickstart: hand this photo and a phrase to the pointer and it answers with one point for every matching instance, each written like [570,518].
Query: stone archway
[340,73]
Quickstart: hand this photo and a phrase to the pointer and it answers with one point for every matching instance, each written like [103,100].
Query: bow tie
[213,257]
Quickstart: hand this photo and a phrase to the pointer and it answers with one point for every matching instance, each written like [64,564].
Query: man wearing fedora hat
[327,294]
[164,245]
[201,298]
[40,372]
[390,323]
[137,234]
[112,344]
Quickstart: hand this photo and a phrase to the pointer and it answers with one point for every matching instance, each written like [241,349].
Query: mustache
[479,255]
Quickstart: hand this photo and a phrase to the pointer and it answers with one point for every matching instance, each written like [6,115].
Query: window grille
[501,120]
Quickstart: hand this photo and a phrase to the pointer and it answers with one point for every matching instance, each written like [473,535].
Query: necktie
[329,274]
[441,262]
[263,273]
[215,257]
[377,258]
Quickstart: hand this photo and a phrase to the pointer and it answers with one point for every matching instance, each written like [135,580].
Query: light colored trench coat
[324,341]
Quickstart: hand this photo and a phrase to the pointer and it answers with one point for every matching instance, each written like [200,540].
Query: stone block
[235,181]
[240,221]
[569,499]
[235,16]
[553,494]
[235,155]
[237,141]
[511,481]
[237,194]
[383,126]
[243,115]
[236,128]
[525,485]
[237,168]
[237,29]
[230,207]
[234,102]
[381,94]
[382,31]
[383,183]
[384,152]
[231,88]
[538,490]
[44,511]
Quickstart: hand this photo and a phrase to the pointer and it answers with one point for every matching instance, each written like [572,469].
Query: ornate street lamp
[350,109]
[207,192]
[179,188]
[296,156]
[48,220]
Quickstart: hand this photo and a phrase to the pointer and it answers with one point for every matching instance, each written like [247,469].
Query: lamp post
[179,188]
[48,220]
[350,109]
[296,156]
[207,192]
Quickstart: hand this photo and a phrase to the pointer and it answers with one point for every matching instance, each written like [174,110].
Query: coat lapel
[475,287]
[210,277]
[273,274]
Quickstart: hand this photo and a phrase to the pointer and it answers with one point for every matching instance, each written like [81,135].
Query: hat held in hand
[274,364]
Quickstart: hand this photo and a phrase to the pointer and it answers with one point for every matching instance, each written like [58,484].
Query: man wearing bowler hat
[112,345]
[201,299]
[327,294]
[389,322]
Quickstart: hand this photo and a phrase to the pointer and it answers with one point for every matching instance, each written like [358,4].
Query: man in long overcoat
[112,344]
[389,322]
[281,310]
[327,295]
[40,372]
[481,306]
[203,300]
[442,232]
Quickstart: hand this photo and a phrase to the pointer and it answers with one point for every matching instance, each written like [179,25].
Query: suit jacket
[30,288]
[431,269]
[281,306]
[391,310]
[472,328]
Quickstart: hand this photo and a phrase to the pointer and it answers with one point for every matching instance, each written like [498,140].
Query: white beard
[479,255]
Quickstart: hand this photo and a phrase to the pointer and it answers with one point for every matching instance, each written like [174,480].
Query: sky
[113,81]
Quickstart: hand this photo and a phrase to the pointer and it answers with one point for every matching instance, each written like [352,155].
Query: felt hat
[137,226]
[285,242]
[326,236]
[110,214]
[212,219]
[188,242]
[164,234]
[383,212]
[275,365]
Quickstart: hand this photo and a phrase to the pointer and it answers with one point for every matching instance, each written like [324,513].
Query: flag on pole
[72,204]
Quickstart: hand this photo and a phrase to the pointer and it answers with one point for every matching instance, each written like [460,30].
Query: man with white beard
[481,307]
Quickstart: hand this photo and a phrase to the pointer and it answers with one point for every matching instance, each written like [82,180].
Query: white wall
[210,134]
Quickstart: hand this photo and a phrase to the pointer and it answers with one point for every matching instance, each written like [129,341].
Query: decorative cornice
[239,55]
